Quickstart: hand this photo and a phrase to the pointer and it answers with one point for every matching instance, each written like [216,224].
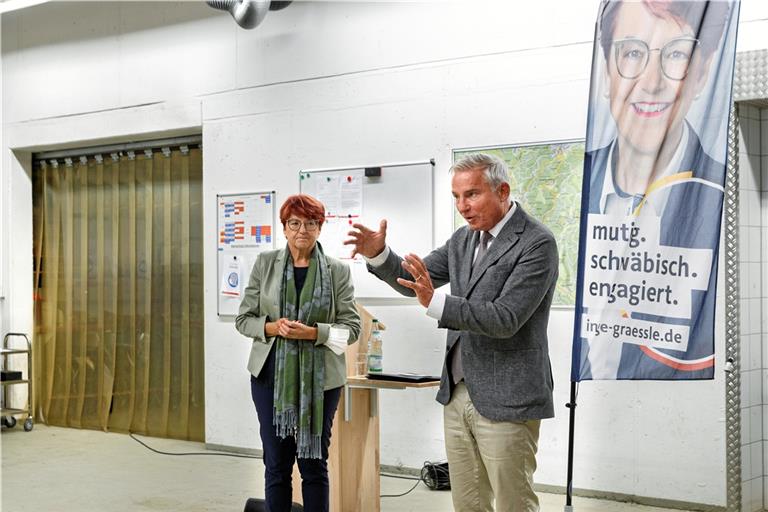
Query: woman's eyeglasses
[310,225]
[632,56]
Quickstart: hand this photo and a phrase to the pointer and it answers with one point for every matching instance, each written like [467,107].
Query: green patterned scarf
[299,364]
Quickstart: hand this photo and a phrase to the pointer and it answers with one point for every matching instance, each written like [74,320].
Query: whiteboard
[402,194]
[245,227]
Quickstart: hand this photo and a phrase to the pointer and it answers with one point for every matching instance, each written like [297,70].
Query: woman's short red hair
[304,206]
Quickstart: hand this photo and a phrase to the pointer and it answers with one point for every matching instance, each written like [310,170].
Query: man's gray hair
[495,170]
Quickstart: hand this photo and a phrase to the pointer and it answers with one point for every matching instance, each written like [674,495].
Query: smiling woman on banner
[656,61]
[299,310]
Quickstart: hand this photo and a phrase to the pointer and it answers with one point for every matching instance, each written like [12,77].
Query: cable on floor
[403,494]
[221,454]
[434,475]
[401,477]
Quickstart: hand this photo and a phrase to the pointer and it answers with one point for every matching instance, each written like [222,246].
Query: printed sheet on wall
[246,226]
[653,190]
[401,193]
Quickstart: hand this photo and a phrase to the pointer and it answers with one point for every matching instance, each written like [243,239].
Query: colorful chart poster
[246,221]
[246,227]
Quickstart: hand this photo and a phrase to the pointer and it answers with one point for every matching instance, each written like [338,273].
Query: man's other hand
[422,282]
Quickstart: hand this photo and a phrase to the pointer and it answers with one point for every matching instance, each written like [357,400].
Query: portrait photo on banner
[654,177]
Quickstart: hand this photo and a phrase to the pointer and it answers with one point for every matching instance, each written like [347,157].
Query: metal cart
[8,414]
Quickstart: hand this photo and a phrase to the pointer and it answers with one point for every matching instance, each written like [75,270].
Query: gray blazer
[261,303]
[500,312]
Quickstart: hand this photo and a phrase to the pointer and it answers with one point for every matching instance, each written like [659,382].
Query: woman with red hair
[298,300]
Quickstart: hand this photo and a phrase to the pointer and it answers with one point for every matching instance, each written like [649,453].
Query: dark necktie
[457,371]
[485,239]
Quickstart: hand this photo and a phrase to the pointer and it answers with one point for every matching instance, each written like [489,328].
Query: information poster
[342,196]
[245,227]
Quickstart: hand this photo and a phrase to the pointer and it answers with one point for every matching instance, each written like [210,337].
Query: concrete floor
[62,470]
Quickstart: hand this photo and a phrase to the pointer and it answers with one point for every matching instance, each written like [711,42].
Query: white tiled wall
[753,289]
[762,326]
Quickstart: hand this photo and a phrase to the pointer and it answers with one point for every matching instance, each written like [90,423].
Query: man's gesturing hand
[367,242]
[422,283]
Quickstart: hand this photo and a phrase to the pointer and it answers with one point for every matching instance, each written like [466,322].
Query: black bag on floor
[258,505]
[435,476]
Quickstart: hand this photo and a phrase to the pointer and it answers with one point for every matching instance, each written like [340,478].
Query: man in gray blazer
[496,383]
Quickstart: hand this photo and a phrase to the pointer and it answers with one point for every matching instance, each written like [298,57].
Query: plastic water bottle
[375,354]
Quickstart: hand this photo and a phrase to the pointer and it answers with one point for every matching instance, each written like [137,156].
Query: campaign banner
[653,190]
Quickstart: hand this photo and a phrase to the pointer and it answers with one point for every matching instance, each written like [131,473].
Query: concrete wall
[324,84]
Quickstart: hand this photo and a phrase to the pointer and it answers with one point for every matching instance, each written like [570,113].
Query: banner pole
[571,425]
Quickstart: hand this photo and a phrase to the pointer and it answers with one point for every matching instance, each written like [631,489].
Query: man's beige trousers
[489,459]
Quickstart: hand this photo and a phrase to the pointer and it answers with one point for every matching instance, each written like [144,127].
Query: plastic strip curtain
[119,292]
